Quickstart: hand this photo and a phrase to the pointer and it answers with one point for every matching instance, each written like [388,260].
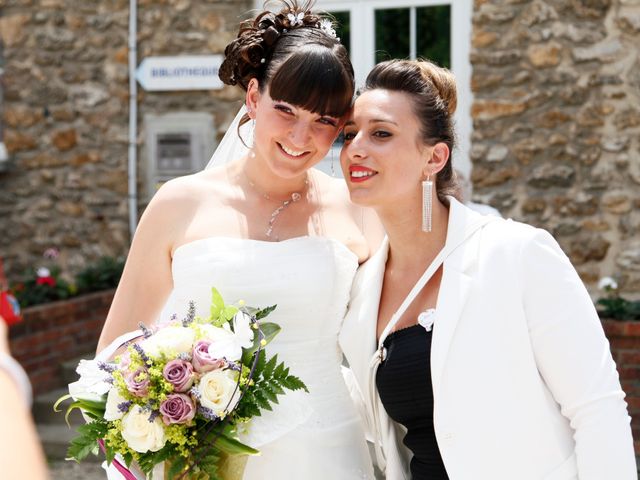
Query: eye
[382,134]
[349,136]
[283,108]
[328,121]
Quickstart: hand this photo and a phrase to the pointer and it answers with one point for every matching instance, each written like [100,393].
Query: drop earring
[427,203]
[333,171]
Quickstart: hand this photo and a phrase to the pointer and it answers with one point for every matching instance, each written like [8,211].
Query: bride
[269,229]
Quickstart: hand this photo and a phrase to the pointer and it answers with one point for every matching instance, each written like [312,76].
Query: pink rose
[138,382]
[179,373]
[202,360]
[177,408]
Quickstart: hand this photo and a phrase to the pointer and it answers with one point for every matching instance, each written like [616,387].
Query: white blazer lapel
[455,284]
[358,335]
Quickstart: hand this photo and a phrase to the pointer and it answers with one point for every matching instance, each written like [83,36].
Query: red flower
[46,281]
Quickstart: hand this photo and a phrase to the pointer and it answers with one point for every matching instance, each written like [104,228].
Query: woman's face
[383,159]
[290,139]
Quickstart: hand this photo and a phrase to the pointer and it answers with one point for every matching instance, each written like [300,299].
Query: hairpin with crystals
[327,27]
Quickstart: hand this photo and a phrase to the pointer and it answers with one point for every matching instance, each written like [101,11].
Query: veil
[231,146]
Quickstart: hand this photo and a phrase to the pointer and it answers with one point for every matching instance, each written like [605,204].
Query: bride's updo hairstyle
[295,53]
[433,97]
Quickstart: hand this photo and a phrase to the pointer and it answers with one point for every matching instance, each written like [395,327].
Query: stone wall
[66,102]
[556,117]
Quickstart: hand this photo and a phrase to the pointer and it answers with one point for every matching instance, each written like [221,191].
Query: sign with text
[193,72]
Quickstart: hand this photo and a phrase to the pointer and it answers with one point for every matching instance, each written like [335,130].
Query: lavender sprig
[207,413]
[143,355]
[145,331]
[107,367]
[191,314]
[124,406]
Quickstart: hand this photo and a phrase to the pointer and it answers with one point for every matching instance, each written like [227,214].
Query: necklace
[294,198]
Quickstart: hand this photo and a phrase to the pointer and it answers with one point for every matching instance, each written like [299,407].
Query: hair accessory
[427,204]
[327,27]
[295,19]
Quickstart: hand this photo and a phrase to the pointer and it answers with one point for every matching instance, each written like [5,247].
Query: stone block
[551,175]
[545,56]
[65,139]
[629,259]
[16,141]
[12,29]
[605,51]
[588,248]
[493,109]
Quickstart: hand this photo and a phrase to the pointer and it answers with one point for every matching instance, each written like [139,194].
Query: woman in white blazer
[491,364]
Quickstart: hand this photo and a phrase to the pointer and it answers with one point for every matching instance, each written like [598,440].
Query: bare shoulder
[336,195]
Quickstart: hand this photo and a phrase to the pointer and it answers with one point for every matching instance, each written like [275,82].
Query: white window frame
[362,45]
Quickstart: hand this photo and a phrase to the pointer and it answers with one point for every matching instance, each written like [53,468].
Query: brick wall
[53,333]
[625,347]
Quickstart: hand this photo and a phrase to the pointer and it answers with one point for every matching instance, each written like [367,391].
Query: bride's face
[288,138]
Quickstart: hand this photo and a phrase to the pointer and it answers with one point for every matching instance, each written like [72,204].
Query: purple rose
[202,360]
[179,373]
[138,382]
[177,408]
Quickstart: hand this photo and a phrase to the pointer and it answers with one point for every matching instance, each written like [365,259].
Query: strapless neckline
[194,243]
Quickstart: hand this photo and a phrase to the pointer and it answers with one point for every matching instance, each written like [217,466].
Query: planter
[624,338]
[53,333]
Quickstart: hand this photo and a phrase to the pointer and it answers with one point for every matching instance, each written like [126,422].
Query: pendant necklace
[294,198]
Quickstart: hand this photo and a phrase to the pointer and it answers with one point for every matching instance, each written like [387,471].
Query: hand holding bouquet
[181,394]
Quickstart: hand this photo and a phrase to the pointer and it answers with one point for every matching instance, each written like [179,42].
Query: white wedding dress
[314,436]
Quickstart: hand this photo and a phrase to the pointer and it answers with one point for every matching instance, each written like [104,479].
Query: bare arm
[146,281]
[20,451]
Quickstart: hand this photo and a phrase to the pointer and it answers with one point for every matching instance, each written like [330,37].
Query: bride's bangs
[313,79]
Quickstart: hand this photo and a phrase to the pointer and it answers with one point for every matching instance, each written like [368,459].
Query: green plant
[613,305]
[41,286]
[102,275]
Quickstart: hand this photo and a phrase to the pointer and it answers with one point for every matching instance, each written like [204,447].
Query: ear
[437,159]
[252,97]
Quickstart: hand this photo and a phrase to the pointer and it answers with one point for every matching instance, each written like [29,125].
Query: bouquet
[181,395]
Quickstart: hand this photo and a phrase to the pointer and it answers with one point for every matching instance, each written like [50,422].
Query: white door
[440,30]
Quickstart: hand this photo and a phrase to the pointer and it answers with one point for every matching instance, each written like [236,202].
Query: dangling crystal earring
[427,203]
[253,132]
[333,171]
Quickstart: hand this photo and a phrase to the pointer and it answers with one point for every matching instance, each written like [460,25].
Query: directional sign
[193,72]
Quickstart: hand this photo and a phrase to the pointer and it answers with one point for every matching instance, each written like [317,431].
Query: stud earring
[427,203]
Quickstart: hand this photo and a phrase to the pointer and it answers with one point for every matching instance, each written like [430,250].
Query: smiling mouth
[361,175]
[290,152]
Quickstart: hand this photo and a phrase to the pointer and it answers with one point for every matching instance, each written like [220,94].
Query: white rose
[141,434]
[217,391]
[174,339]
[93,382]
[111,408]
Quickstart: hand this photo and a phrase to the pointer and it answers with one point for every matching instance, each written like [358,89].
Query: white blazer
[524,384]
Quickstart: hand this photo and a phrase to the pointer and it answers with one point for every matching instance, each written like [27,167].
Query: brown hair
[434,100]
[300,61]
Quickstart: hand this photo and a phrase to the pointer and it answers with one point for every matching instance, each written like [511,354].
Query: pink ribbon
[126,473]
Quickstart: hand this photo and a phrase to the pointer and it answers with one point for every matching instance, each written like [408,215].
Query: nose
[300,133]
[354,149]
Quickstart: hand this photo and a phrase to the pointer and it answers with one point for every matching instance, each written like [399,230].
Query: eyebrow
[375,120]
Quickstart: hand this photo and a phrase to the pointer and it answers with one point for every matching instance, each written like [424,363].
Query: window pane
[434,34]
[392,33]
[343,28]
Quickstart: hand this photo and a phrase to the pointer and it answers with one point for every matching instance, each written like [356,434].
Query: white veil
[231,146]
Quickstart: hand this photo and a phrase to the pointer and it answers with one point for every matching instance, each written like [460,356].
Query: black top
[404,384]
